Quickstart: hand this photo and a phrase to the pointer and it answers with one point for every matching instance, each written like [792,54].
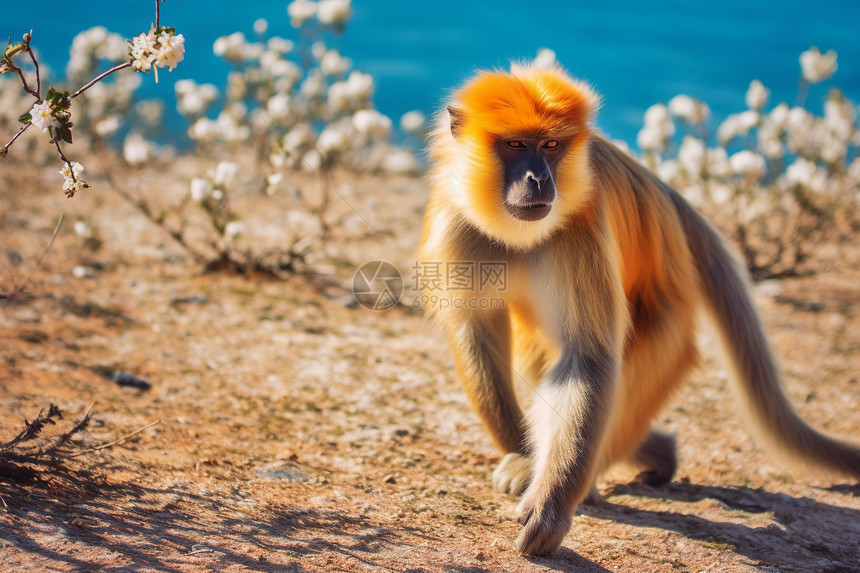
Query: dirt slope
[298,432]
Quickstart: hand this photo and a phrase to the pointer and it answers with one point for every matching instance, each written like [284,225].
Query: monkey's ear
[458,121]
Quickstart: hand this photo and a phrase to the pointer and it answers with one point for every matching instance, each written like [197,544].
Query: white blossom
[333,12]
[82,229]
[737,125]
[779,115]
[236,48]
[318,50]
[313,85]
[769,140]
[817,67]
[338,97]
[721,193]
[658,129]
[280,45]
[201,189]
[333,64]
[224,173]
[805,173]
[278,106]
[331,140]
[260,26]
[839,116]
[691,155]
[300,11]
[371,122]
[748,163]
[360,85]
[400,162]
[136,150]
[413,122]
[651,139]
[832,150]
[235,228]
[667,170]
[300,135]
[312,160]
[42,116]
[161,50]
[657,114]
[193,99]
[545,59]
[690,110]
[718,162]
[72,178]
[107,126]
[757,95]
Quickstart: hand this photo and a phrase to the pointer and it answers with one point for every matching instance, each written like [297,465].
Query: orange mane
[526,101]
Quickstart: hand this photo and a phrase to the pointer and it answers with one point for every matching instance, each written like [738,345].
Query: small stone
[389,479]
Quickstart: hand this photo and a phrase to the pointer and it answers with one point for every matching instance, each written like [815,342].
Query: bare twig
[36,65]
[17,135]
[80,426]
[115,442]
[100,77]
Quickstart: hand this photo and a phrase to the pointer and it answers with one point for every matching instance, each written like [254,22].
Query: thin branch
[100,77]
[17,135]
[157,14]
[36,65]
[115,442]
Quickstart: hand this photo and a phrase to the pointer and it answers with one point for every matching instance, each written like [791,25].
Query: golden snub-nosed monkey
[606,269]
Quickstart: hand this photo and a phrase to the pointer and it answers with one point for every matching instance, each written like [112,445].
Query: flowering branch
[159,48]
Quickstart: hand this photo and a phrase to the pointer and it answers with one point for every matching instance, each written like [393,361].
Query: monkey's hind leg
[657,453]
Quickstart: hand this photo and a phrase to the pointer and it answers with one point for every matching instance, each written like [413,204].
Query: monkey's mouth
[529,212]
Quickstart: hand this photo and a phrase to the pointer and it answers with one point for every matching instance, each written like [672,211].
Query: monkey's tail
[753,369]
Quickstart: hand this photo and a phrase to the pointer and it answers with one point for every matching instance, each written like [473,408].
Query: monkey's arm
[481,342]
[572,407]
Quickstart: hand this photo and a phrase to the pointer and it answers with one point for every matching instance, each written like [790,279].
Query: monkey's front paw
[544,528]
[513,474]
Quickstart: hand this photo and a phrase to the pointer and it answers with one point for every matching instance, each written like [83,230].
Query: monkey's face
[512,157]
[529,166]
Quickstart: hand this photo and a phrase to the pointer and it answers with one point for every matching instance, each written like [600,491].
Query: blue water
[634,53]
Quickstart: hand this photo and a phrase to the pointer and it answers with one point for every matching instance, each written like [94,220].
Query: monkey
[607,270]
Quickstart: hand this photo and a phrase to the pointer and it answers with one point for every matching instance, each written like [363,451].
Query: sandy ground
[297,431]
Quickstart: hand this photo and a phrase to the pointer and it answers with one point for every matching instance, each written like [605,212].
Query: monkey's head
[516,146]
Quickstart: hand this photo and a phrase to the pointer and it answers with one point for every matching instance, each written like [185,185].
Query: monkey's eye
[516,144]
[552,144]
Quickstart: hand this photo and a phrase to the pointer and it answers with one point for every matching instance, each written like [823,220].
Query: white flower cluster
[137,150]
[157,48]
[331,13]
[72,181]
[308,108]
[658,130]
[761,156]
[43,116]
[91,47]
[212,186]
[816,66]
